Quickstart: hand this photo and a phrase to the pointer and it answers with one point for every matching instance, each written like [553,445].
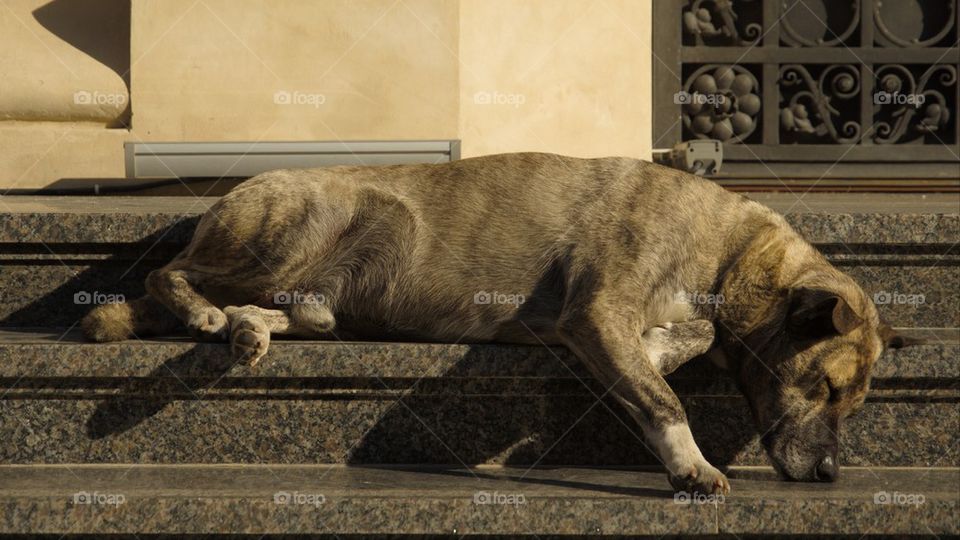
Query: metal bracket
[703,157]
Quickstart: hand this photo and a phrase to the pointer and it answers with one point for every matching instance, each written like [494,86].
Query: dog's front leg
[620,360]
[673,344]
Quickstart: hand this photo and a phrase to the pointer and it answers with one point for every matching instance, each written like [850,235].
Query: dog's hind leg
[251,327]
[174,287]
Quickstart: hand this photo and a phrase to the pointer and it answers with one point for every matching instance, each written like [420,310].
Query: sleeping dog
[610,257]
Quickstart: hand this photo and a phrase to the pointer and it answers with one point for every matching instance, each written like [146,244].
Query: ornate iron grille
[812,88]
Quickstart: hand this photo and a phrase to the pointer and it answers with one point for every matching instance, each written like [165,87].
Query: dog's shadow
[482,409]
[547,422]
[136,400]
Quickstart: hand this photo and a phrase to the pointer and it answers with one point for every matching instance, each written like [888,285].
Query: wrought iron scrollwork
[915,11]
[817,24]
[786,82]
[719,22]
[721,102]
[911,108]
[811,112]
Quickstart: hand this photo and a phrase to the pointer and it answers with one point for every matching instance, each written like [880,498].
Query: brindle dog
[613,258]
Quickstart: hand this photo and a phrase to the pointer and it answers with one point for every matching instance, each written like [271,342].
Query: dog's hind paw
[249,336]
[703,479]
[209,324]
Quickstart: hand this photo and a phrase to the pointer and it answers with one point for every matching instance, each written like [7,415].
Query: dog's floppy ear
[817,313]
[892,339]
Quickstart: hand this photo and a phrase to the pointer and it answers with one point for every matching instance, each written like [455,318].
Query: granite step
[901,247]
[172,401]
[464,501]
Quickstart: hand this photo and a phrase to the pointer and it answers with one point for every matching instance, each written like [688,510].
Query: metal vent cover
[245,159]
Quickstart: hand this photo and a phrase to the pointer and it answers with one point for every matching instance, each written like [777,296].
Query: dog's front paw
[703,479]
[208,324]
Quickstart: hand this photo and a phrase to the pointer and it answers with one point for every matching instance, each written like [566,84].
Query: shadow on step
[167,383]
[476,474]
[546,421]
[462,416]
[78,271]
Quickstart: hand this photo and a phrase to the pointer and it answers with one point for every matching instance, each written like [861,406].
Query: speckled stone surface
[100,220]
[39,290]
[421,500]
[60,352]
[823,218]
[51,248]
[173,401]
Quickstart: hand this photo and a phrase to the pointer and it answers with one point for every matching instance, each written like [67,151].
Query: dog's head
[803,360]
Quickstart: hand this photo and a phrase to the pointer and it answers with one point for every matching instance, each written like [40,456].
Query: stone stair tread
[373,500]
[835,203]
[860,203]
[821,217]
[173,401]
[58,352]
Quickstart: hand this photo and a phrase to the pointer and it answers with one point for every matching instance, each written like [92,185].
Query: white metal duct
[245,159]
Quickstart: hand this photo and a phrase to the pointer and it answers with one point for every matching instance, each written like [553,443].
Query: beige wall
[359,69]
[60,89]
[565,76]
[48,72]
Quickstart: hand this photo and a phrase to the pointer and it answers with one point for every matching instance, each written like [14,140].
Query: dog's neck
[764,262]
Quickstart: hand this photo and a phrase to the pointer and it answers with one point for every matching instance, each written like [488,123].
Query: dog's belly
[512,331]
[513,302]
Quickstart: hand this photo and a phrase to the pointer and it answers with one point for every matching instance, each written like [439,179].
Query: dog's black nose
[827,470]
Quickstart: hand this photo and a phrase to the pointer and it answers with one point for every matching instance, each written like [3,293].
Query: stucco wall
[338,69]
[565,76]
